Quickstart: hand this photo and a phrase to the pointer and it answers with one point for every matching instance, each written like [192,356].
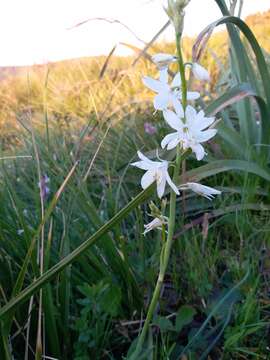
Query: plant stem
[181,70]
[164,260]
[166,248]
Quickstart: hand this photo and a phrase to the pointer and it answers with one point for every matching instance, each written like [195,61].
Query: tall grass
[98,272]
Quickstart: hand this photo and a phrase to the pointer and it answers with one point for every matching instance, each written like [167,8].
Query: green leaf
[261,63]
[163,323]
[237,144]
[110,300]
[219,166]
[244,71]
[51,315]
[146,352]
[184,317]
[214,311]
[232,96]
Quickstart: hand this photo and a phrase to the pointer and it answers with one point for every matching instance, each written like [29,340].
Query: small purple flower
[149,128]
[45,190]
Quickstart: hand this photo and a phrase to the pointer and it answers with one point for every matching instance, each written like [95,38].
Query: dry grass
[69,93]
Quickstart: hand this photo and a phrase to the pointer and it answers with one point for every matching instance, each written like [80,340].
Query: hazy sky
[37,31]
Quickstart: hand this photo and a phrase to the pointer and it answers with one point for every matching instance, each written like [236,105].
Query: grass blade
[51,273]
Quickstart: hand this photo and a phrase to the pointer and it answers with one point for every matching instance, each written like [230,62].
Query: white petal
[156,223]
[183,187]
[198,150]
[193,95]
[163,75]
[203,122]
[142,156]
[164,166]
[161,101]
[146,160]
[147,179]
[205,135]
[162,57]
[161,186]
[200,115]
[178,106]
[171,183]
[172,144]
[203,190]
[142,165]
[173,120]
[190,114]
[153,84]
[176,81]
[208,190]
[168,138]
[200,72]
[145,163]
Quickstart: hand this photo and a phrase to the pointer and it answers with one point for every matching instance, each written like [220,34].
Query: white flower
[155,171]
[163,60]
[200,73]
[191,133]
[167,94]
[164,76]
[156,223]
[202,190]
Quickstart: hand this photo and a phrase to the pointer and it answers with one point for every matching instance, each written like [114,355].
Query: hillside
[260,24]
[71,91]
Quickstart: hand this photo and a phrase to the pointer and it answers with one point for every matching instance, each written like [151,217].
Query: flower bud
[175,11]
[200,73]
[163,60]
[205,191]
[156,223]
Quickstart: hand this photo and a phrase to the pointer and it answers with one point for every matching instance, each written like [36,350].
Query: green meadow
[77,274]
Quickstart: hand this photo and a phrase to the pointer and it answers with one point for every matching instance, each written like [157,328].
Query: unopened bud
[200,73]
[156,223]
[175,11]
[163,60]
[155,211]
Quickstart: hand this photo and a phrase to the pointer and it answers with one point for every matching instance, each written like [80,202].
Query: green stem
[181,66]
[166,249]
[4,344]
[164,260]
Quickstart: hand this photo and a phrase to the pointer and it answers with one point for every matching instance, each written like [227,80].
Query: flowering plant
[192,128]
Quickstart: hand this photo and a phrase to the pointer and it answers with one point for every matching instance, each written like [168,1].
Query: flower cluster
[191,128]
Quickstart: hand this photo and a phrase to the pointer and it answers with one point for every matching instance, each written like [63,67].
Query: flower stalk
[192,129]
[164,260]
[167,246]
[181,67]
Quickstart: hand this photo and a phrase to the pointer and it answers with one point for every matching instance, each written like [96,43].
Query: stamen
[158,177]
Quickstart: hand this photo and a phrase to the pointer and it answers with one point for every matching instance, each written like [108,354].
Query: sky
[39,31]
